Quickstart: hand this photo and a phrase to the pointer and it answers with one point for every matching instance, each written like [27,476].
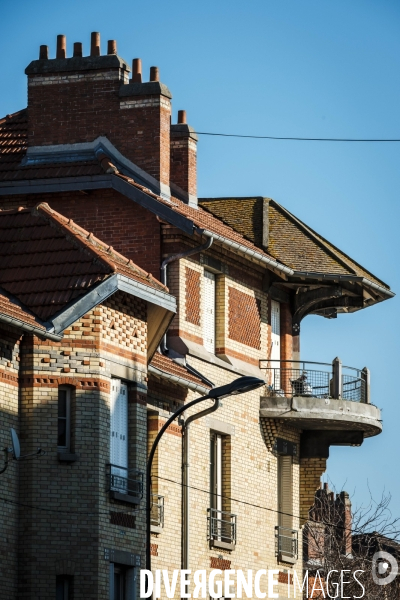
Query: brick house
[99,213]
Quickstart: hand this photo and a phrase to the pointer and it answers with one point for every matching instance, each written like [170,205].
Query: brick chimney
[184,160]
[79,98]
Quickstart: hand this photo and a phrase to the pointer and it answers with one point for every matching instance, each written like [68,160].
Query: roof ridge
[89,241]
[324,241]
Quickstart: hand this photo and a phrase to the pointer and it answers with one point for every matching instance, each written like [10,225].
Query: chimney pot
[44,52]
[154,74]
[326,487]
[78,49]
[111,47]
[137,70]
[61,46]
[95,43]
[182,117]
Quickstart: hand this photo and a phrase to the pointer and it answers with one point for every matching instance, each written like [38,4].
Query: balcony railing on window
[157,511]
[314,379]
[221,526]
[286,542]
[124,481]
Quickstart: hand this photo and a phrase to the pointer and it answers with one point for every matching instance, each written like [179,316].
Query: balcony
[157,513]
[329,402]
[124,484]
[221,529]
[286,544]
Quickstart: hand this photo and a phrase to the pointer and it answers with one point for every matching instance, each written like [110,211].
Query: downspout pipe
[170,259]
[186,479]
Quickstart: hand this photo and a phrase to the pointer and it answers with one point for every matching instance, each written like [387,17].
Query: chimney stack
[136,70]
[184,160]
[43,53]
[78,50]
[111,47]
[95,44]
[61,46]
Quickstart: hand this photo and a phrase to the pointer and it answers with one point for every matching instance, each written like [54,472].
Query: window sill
[285,558]
[222,545]
[124,498]
[67,457]
[156,529]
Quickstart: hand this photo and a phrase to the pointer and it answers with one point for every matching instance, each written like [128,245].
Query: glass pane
[118,585]
[62,403]
[62,433]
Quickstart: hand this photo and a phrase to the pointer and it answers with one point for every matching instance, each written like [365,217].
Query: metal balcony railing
[286,542]
[125,481]
[314,379]
[157,511]
[221,526]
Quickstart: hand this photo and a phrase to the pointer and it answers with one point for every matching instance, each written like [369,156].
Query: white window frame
[209,345]
[67,418]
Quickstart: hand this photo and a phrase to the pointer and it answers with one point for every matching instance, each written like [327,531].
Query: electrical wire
[298,139]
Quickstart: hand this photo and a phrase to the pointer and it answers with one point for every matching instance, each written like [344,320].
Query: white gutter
[249,252]
[178,380]
[29,328]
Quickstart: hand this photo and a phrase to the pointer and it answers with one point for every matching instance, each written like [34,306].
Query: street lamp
[238,386]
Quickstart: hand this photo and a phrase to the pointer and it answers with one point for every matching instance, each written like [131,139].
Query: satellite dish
[15,443]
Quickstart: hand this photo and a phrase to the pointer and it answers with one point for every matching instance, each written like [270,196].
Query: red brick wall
[244,319]
[130,229]
[67,113]
[184,164]
[286,333]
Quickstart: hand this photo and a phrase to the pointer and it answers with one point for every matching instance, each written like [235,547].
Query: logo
[384,568]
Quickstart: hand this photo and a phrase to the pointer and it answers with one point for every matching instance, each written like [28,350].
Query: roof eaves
[325,244]
[80,306]
[186,383]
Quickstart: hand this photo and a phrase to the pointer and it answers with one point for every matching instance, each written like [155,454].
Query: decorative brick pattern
[219,563]
[284,578]
[193,301]
[122,519]
[154,549]
[244,318]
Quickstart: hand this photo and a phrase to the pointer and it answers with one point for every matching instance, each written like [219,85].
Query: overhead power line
[298,139]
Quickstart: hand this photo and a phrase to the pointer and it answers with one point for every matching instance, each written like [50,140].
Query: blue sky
[284,68]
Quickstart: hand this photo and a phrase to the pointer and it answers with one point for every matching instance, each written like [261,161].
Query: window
[209,311]
[119,436]
[221,522]
[64,587]
[123,582]
[285,491]
[276,344]
[64,419]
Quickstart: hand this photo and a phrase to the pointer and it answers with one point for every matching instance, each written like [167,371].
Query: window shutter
[119,427]
[285,491]
[276,343]
[209,311]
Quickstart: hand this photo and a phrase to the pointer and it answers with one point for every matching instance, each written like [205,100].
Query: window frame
[67,418]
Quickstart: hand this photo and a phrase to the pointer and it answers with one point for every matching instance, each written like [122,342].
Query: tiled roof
[12,308]
[13,145]
[46,260]
[290,241]
[201,218]
[165,364]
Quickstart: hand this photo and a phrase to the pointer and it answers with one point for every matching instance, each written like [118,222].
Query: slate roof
[46,260]
[13,145]
[290,241]
[165,364]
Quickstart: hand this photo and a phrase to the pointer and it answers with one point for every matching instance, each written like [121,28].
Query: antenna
[15,444]
[15,450]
